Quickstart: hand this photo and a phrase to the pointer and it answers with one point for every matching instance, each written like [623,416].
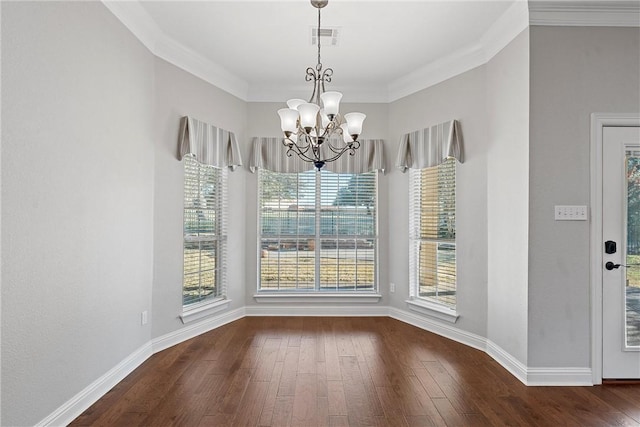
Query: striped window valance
[210,145]
[271,154]
[430,147]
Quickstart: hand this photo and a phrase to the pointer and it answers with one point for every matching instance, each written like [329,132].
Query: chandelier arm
[351,150]
[298,149]
[326,76]
[335,149]
[329,130]
[310,74]
[354,145]
[302,154]
[302,151]
[316,158]
[332,128]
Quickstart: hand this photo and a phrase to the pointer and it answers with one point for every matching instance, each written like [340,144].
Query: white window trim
[210,305]
[432,309]
[316,297]
[425,305]
[196,311]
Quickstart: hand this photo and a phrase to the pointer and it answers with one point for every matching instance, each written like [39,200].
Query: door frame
[598,122]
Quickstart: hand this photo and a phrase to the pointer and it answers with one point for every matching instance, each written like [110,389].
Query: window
[318,231]
[433,233]
[204,232]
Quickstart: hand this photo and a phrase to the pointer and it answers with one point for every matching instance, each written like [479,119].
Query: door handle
[610,266]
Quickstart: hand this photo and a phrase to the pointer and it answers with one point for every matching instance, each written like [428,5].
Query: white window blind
[433,233]
[204,231]
[318,231]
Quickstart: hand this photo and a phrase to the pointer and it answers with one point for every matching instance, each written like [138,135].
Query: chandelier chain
[319,66]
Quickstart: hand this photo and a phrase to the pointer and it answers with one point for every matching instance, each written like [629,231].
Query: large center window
[318,231]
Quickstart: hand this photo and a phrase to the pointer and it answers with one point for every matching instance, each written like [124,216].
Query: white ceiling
[259,50]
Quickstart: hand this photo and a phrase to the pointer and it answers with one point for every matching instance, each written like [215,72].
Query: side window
[204,232]
[433,233]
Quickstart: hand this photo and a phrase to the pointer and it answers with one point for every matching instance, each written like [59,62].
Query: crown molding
[594,13]
[138,21]
[196,64]
[512,22]
[436,72]
[520,14]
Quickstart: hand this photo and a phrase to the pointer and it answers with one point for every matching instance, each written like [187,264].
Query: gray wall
[77,211]
[574,72]
[178,93]
[508,196]
[92,192]
[462,98]
[491,103]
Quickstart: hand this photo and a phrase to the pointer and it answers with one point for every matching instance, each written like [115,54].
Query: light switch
[571,213]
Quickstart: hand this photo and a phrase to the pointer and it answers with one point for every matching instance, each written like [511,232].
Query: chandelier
[308,127]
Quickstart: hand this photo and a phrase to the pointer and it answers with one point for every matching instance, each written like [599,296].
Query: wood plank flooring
[305,371]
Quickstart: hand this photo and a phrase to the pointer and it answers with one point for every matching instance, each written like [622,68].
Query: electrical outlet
[392,287]
[144,318]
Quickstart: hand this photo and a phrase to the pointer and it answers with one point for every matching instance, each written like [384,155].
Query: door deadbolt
[610,247]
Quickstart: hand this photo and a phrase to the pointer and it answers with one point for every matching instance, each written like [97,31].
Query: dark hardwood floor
[305,371]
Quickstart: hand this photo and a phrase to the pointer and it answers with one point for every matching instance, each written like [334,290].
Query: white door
[621,264]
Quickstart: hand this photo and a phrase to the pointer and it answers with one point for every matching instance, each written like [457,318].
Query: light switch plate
[570,213]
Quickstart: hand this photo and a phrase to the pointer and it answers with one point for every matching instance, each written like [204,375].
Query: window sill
[317,297]
[433,310]
[202,309]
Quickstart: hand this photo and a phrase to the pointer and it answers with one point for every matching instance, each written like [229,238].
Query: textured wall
[508,196]
[77,193]
[91,229]
[575,71]
[462,98]
[178,94]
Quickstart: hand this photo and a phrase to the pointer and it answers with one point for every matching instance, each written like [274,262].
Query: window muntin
[204,227]
[318,231]
[433,233]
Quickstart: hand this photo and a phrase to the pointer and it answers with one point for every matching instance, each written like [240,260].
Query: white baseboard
[440,328]
[559,377]
[79,403]
[510,363]
[197,328]
[565,377]
[75,406]
[309,310]
[529,376]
